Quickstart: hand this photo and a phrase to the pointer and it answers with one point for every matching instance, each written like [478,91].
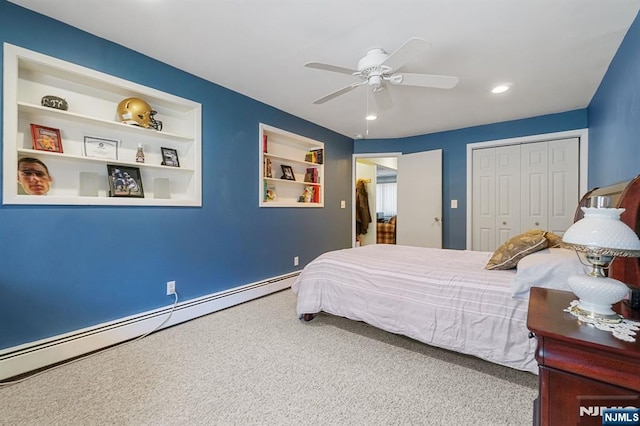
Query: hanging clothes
[363,215]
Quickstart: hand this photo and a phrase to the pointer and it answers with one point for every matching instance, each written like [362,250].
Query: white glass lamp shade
[602,236]
[602,229]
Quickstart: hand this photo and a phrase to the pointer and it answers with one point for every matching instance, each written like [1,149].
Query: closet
[523,186]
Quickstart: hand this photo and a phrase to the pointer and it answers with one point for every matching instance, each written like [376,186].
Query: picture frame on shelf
[46,138]
[124,181]
[170,157]
[287,173]
[101,147]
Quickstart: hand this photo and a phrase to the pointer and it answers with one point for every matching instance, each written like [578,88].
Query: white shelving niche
[282,148]
[93,98]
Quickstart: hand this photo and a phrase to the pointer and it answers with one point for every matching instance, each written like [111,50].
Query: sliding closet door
[550,184]
[564,184]
[419,221]
[484,199]
[535,185]
[507,192]
[521,187]
[496,196]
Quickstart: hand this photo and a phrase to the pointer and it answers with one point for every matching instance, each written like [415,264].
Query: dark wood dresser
[581,368]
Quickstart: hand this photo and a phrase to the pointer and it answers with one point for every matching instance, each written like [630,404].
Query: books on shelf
[315,156]
[311,175]
[264,142]
[311,194]
[268,172]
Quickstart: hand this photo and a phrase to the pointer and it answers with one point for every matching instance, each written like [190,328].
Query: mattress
[440,297]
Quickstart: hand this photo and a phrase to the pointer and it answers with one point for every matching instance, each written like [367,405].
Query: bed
[447,298]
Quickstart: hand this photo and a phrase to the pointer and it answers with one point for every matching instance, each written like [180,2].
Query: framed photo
[46,138]
[101,147]
[287,173]
[124,181]
[170,157]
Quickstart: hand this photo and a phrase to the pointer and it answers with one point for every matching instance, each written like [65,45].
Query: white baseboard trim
[35,355]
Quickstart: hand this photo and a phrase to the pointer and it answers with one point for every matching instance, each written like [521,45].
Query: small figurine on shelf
[140,154]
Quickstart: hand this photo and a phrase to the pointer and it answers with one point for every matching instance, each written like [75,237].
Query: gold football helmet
[138,112]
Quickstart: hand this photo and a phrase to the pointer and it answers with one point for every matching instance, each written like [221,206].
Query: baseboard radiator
[32,356]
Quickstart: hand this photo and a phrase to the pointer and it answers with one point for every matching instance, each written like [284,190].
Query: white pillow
[548,268]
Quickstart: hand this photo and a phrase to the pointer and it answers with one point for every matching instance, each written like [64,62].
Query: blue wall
[454,158]
[614,116]
[58,273]
[69,267]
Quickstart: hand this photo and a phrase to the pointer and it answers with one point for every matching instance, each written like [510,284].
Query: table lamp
[601,235]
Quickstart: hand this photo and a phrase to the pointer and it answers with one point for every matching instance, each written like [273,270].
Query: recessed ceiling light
[500,89]
[371,117]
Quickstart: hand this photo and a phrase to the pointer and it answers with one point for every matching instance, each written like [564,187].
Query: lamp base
[596,316]
[597,294]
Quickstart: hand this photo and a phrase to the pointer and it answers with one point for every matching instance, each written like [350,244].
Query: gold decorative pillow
[555,241]
[509,253]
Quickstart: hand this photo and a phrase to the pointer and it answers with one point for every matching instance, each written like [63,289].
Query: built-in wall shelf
[92,98]
[300,183]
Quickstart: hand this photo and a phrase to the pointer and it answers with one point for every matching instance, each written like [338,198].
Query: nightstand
[581,368]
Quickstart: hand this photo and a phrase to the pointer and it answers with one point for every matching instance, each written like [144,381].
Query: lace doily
[624,330]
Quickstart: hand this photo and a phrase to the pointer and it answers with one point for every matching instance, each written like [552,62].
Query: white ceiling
[554,53]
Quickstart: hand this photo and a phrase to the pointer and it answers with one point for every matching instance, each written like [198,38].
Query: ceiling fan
[377,68]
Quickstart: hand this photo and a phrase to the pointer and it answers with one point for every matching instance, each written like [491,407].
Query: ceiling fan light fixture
[501,88]
[377,68]
[371,117]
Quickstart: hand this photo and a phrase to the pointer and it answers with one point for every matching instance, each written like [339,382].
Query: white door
[535,183]
[419,221]
[564,185]
[507,192]
[484,199]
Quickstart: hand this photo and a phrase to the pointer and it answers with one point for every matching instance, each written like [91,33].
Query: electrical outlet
[296,261]
[171,288]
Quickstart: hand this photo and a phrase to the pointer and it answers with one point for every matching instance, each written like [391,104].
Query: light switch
[343,204]
[454,204]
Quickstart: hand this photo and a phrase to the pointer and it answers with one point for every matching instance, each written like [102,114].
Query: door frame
[354,159]
[583,144]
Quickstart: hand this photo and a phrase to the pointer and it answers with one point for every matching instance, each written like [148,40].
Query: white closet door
[419,220]
[535,171]
[564,191]
[507,192]
[484,196]
[520,187]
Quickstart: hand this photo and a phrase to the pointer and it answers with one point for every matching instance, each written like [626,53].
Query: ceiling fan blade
[405,53]
[328,67]
[338,93]
[425,80]
[383,99]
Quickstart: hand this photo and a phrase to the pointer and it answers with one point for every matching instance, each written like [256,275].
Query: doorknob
[437,219]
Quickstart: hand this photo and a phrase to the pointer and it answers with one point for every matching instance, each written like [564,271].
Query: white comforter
[440,297]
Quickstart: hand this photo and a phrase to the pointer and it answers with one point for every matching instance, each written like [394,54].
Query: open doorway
[377,175]
[419,196]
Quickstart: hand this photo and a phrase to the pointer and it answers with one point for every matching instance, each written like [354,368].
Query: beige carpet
[257,364]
